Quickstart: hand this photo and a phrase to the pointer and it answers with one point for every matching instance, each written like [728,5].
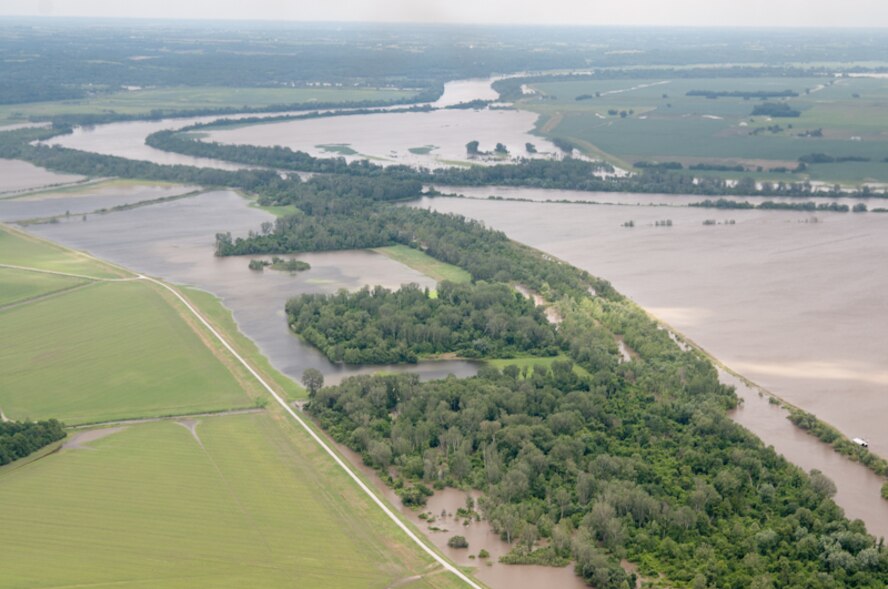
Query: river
[794,301]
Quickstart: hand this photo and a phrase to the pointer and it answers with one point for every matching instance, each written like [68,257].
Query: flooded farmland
[174,241]
[18,176]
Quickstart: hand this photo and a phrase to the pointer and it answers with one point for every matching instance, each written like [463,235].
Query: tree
[472,147]
[530,147]
[822,484]
[313,380]
[501,149]
[458,542]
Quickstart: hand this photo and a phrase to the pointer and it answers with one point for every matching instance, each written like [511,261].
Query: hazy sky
[847,13]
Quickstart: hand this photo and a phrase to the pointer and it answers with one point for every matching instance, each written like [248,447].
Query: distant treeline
[775,109]
[833,207]
[19,439]
[822,158]
[745,94]
[380,326]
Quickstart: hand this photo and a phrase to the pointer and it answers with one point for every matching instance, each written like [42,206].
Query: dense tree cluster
[775,109]
[638,461]
[379,326]
[19,439]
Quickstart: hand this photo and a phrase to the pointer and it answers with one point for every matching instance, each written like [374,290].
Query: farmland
[142,102]
[238,502]
[628,121]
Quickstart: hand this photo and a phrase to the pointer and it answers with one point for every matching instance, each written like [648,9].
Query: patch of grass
[19,249]
[426,264]
[108,351]
[189,98]
[528,364]
[424,150]
[339,148]
[151,506]
[21,285]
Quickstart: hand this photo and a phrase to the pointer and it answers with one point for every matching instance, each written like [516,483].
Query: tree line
[21,438]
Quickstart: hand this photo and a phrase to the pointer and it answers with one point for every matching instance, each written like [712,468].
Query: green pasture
[137,102]
[17,286]
[19,249]
[110,351]
[425,264]
[667,125]
[242,505]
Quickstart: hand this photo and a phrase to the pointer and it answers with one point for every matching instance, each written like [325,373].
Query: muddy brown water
[17,175]
[82,200]
[479,534]
[174,241]
[796,306]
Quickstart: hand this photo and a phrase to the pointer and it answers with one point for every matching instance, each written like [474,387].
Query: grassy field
[241,505]
[19,249]
[528,363]
[19,285]
[186,98]
[428,265]
[662,123]
[108,351]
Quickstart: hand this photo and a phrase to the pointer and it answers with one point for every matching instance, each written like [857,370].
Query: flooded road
[174,241]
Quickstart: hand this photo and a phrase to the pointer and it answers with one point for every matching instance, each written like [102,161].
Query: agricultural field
[225,501]
[137,102]
[19,249]
[112,350]
[626,121]
[17,286]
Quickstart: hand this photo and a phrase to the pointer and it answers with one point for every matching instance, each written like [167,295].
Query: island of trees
[379,326]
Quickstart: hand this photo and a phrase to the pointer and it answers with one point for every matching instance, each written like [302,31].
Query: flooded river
[794,301]
[795,305]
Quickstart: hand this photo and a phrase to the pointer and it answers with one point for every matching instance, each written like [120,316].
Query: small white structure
[861,442]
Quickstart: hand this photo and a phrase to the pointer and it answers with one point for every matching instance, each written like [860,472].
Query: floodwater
[442,506]
[83,200]
[174,241]
[388,137]
[18,176]
[466,91]
[798,307]
[633,199]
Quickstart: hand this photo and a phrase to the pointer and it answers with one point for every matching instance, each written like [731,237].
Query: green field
[20,285]
[108,351]
[18,249]
[426,264]
[191,98]
[666,125]
[151,506]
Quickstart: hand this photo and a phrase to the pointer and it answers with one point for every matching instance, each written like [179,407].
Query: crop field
[19,249]
[19,285]
[108,351]
[426,264]
[185,98]
[238,501]
[840,117]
